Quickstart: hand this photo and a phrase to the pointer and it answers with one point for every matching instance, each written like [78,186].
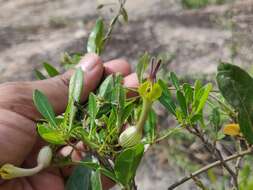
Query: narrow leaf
[182,102]
[166,99]
[95,40]
[124,14]
[96,180]
[51,70]
[204,97]
[39,75]
[44,107]
[142,66]
[175,80]
[75,91]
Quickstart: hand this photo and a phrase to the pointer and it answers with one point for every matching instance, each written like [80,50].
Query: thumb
[56,88]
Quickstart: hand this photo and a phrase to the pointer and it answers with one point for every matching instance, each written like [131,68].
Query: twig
[205,168]
[113,21]
[213,150]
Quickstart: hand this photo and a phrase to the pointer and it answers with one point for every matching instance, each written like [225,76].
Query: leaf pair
[50,69]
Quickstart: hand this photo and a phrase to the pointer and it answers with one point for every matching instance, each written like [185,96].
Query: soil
[33,31]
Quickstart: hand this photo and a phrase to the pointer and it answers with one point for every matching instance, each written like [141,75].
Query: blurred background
[193,35]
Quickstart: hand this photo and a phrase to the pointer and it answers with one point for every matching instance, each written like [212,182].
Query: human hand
[19,142]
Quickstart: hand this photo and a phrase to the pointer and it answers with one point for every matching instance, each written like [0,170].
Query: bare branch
[205,168]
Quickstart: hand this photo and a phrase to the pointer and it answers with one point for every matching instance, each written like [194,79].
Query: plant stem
[207,167]
[213,150]
[113,22]
[146,105]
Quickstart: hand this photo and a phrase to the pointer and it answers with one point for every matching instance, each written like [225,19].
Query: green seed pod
[130,137]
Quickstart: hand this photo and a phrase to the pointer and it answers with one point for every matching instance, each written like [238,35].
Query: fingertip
[89,62]
[131,81]
[117,66]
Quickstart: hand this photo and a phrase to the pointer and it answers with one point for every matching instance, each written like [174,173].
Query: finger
[117,66]
[131,82]
[56,89]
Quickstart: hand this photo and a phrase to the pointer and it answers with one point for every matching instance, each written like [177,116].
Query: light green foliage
[95,41]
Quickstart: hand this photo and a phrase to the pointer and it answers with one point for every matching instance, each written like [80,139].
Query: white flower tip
[45,156]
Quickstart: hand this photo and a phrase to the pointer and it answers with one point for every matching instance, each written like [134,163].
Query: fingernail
[89,61]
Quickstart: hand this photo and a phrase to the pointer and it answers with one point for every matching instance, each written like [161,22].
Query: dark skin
[19,142]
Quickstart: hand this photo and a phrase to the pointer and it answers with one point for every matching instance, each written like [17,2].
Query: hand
[19,142]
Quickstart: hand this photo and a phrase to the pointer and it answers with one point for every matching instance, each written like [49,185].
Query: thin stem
[113,22]
[168,132]
[213,150]
[146,105]
[233,114]
[206,168]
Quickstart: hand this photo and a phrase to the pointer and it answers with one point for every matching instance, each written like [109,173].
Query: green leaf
[198,91]
[215,118]
[75,91]
[188,91]
[106,88]
[51,70]
[166,99]
[175,80]
[44,107]
[127,162]
[182,102]
[236,86]
[96,181]
[95,40]
[70,60]
[120,98]
[76,85]
[80,179]
[92,105]
[39,75]
[204,97]
[124,14]
[95,167]
[51,135]
[142,66]
[128,110]
[92,110]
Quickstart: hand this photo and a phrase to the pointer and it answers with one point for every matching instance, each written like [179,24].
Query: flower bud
[9,171]
[45,156]
[130,137]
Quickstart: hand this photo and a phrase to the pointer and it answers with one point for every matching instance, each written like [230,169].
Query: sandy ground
[32,31]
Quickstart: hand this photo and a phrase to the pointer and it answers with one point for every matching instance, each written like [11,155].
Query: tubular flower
[9,171]
[232,129]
